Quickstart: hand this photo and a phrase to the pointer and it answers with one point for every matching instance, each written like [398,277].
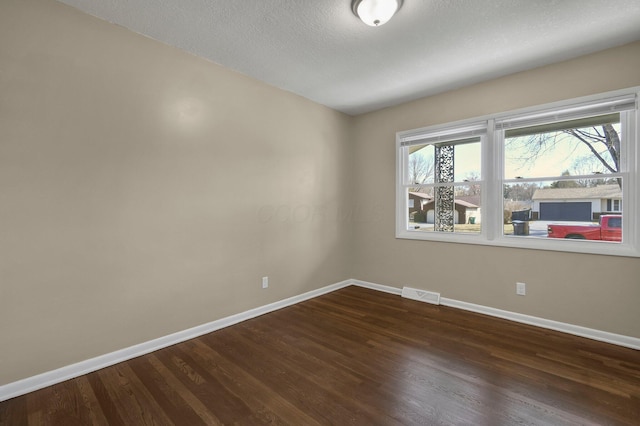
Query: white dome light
[375,12]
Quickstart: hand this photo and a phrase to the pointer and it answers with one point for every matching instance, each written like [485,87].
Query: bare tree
[586,165]
[420,169]
[602,141]
[520,191]
[471,189]
[595,138]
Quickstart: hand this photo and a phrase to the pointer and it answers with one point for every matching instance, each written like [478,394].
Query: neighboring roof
[476,200]
[596,192]
[465,203]
[421,195]
[462,201]
[459,200]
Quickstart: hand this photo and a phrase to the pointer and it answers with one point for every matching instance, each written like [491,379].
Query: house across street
[576,204]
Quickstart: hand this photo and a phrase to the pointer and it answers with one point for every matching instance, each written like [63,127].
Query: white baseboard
[379,287]
[49,378]
[59,375]
[576,330]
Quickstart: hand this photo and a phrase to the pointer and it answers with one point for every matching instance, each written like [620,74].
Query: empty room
[330,212]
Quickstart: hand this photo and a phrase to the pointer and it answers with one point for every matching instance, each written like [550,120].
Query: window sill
[602,248]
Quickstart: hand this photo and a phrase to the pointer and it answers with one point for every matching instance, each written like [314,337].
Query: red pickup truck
[609,229]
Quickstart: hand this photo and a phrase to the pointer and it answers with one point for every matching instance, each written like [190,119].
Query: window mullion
[630,161]
[492,174]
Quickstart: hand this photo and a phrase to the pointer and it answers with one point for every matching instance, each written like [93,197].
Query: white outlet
[521,289]
[265,282]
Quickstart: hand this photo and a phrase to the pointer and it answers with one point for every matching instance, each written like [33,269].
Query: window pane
[420,165]
[572,208]
[468,199]
[557,150]
[466,216]
[418,205]
[467,160]
[421,162]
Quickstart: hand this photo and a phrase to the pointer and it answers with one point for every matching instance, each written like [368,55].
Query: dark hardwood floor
[361,357]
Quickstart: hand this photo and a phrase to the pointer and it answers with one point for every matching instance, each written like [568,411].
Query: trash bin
[472,220]
[521,215]
[520,227]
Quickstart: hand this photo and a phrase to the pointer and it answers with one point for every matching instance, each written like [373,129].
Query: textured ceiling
[319,50]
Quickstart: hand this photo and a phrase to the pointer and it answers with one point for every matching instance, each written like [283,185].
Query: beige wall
[144,191]
[600,292]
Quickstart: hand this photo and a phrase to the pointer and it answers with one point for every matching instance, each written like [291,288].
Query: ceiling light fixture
[375,12]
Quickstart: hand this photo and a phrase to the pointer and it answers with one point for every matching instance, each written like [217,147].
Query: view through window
[444,191]
[566,174]
[545,178]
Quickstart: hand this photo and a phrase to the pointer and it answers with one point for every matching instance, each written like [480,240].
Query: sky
[550,162]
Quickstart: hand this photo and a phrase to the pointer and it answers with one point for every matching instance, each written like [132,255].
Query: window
[439,190]
[615,222]
[614,205]
[508,179]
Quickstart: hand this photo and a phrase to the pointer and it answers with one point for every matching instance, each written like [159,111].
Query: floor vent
[421,295]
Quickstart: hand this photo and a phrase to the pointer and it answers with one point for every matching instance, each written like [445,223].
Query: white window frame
[492,180]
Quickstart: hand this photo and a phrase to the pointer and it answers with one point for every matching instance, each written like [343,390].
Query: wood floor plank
[257,395]
[133,401]
[204,388]
[355,357]
[14,412]
[322,376]
[292,383]
[90,402]
[108,406]
[176,400]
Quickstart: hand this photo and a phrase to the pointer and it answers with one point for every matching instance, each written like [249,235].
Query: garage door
[566,211]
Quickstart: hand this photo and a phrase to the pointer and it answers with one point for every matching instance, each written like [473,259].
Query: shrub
[507,216]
